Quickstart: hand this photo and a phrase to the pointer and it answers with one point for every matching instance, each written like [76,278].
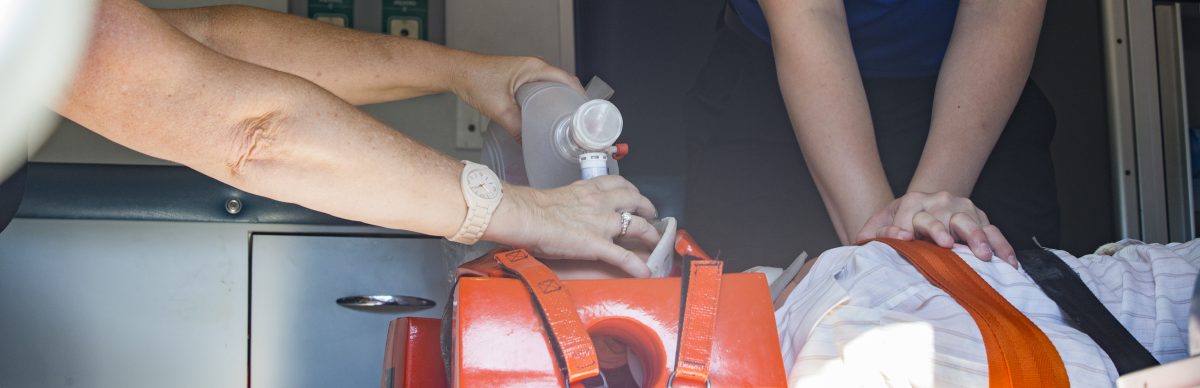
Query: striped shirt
[864,317]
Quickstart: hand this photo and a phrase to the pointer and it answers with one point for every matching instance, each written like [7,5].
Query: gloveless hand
[578,221]
[942,218]
[489,84]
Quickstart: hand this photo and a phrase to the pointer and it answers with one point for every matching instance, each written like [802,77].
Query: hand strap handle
[573,346]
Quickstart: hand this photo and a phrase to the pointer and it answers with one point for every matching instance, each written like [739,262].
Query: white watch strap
[479,210]
[473,226]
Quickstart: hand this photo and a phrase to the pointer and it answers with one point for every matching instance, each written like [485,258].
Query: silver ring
[626,219]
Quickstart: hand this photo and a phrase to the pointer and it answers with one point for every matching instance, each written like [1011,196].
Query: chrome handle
[385,301]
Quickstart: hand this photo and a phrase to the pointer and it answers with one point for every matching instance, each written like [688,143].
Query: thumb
[509,117]
[874,224]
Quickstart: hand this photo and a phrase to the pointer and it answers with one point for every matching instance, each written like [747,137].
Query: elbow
[196,23]
[255,144]
[208,25]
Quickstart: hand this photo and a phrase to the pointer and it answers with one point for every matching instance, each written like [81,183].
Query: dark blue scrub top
[891,38]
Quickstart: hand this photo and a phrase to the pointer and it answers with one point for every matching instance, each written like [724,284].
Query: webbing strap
[1018,353]
[1063,285]
[701,291]
[574,345]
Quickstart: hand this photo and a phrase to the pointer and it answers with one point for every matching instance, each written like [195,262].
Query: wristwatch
[482,190]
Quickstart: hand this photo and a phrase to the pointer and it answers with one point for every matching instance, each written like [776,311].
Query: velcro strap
[701,291]
[1064,287]
[1018,353]
[575,349]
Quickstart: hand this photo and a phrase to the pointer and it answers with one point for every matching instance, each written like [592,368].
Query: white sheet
[864,317]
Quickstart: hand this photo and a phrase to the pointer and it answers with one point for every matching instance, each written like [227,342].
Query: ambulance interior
[122,270]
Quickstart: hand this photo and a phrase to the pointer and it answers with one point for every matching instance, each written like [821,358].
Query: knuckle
[594,197]
[621,182]
[628,257]
[580,186]
[531,61]
[594,186]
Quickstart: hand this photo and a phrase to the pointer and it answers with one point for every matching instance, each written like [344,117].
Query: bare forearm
[359,67]
[270,133]
[828,108]
[985,69]
[319,152]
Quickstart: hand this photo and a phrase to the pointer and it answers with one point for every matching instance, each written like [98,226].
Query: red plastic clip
[621,152]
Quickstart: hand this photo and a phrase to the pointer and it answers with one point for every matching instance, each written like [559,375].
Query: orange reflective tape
[1019,354]
[571,337]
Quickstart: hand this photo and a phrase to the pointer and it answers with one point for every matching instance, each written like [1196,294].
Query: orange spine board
[500,339]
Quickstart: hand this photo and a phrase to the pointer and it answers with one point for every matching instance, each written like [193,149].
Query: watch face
[483,184]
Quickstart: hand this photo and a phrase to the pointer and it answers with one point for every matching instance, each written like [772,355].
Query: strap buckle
[671,381]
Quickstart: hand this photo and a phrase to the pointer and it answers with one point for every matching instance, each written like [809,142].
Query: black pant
[751,198]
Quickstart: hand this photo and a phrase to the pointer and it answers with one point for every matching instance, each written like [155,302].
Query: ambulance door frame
[1148,120]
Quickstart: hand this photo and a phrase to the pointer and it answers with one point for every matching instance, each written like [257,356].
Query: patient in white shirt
[863,316]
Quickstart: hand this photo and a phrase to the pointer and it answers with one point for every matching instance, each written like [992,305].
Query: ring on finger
[626,219]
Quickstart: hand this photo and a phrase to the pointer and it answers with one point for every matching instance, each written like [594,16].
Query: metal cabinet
[121,304]
[100,303]
[299,336]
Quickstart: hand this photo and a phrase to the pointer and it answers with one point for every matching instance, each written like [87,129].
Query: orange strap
[562,321]
[1018,353]
[701,291]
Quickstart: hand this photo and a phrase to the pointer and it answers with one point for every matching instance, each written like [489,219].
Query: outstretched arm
[827,105]
[364,68]
[985,69]
[145,85]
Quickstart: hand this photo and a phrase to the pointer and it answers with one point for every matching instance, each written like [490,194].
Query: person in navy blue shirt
[824,122]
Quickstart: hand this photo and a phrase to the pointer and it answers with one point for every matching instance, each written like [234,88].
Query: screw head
[233,206]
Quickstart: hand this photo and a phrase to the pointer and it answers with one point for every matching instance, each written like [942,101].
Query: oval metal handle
[390,301]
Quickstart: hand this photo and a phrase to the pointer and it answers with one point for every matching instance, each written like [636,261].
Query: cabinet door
[300,336]
[122,304]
